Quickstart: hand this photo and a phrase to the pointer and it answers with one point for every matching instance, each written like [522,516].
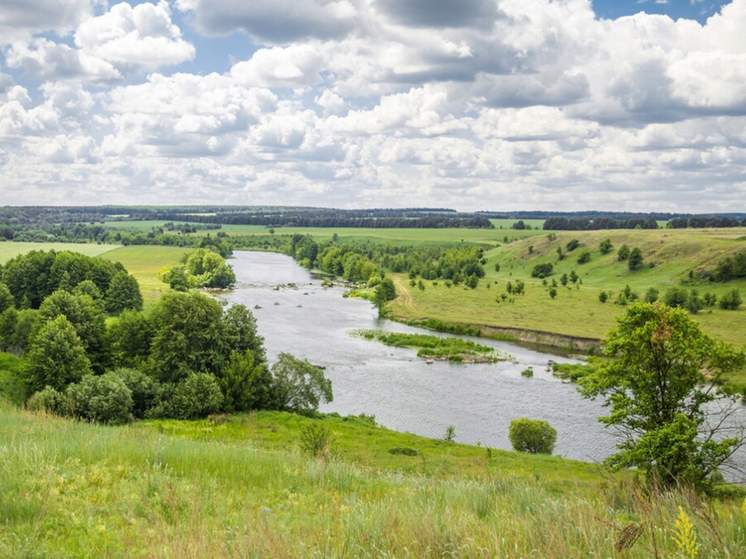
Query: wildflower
[685,538]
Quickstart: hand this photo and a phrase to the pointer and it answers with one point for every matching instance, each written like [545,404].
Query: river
[401,390]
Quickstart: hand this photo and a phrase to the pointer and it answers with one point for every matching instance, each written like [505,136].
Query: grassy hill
[75,490]
[576,310]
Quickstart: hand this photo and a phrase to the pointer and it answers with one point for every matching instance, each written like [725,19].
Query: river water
[399,388]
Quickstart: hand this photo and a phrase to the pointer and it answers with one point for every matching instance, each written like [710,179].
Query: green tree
[552,292]
[6,298]
[584,257]
[57,357]
[572,245]
[623,253]
[542,270]
[676,297]
[241,333]
[605,246]
[730,300]
[654,385]
[87,287]
[635,259]
[197,395]
[603,296]
[175,277]
[532,436]
[246,384]
[300,387]
[385,292]
[123,294]
[651,296]
[129,338]
[189,336]
[103,399]
[146,391]
[206,268]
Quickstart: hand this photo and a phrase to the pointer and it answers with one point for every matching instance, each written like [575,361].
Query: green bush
[676,297]
[584,257]
[532,436]
[197,396]
[403,451]
[146,391]
[542,270]
[103,399]
[730,300]
[315,440]
[48,400]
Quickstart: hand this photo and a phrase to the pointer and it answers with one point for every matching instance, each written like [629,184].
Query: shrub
[635,259]
[623,253]
[675,297]
[584,257]
[651,296]
[403,451]
[542,270]
[731,300]
[146,391]
[532,436]
[605,246]
[603,296]
[528,373]
[315,440]
[103,399]
[450,435]
[572,245]
[197,396]
[694,303]
[48,400]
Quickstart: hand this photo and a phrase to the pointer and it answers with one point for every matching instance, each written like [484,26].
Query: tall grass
[76,490]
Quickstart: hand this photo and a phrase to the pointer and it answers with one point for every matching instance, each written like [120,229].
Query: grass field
[74,490]
[144,262]
[8,249]
[574,311]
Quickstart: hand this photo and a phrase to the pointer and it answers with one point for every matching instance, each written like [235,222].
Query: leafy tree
[542,270]
[605,246]
[519,288]
[497,266]
[87,287]
[300,387]
[635,259]
[676,297]
[574,276]
[246,383]
[189,336]
[552,292]
[651,296]
[123,294]
[175,277]
[623,253]
[730,300]
[564,279]
[241,333]
[693,302]
[603,296]
[572,245]
[385,292]
[532,436]
[146,391]
[654,385]
[87,319]
[6,298]
[206,268]
[584,257]
[710,299]
[103,399]
[197,395]
[560,254]
[57,357]
[129,338]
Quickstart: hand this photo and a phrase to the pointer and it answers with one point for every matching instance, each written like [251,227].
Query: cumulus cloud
[19,19]
[469,103]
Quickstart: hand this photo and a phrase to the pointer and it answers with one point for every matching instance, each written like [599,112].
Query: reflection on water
[400,389]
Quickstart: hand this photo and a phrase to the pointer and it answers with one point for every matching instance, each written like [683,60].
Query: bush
[605,246]
[731,300]
[403,451]
[146,391]
[635,259]
[623,253]
[572,245]
[584,257]
[603,296]
[103,399]
[49,401]
[197,396]
[651,296]
[532,436]
[676,297]
[315,440]
[542,270]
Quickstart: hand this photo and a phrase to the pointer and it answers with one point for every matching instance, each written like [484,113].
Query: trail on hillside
[404,294]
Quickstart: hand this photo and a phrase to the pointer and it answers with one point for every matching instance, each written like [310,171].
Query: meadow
[10,249]
[77,490]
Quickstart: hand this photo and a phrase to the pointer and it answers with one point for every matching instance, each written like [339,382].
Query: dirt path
[404,294]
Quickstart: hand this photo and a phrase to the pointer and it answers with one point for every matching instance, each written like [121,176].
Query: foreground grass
[144,262]
[72,490]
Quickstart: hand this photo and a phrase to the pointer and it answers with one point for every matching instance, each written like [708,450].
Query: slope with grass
[576,310]
[75,490]
[9,250]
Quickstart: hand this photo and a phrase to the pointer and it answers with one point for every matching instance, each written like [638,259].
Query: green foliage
[403,451]
[246,383]
[572,245]
[6,298]
[241,332]
[197,395]
[553,292]
[385,292]
[206,268]
[676,297]
[87,287]
[584,257]
[532,436]
[623,253]
[542,270]
[102,399]
[145,391]
[693,303]
[129,338]
[450,435]
[175,277]
[87,319]
[123,294]
[651,295]
[315,440]
[731,267]
[603,296]
[300,387]
[189,337]
[432,346]
[48,400]
[528,373]
[730,300]
[635,259]
[57,357]
[654,385]
[605,246]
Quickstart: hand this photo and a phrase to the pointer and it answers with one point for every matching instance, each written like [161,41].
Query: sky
[624,105]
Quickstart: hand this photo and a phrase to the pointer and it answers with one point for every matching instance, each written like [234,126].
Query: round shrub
[196,396]
[146,391]
[532,436]
[104,399]
[48,400]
